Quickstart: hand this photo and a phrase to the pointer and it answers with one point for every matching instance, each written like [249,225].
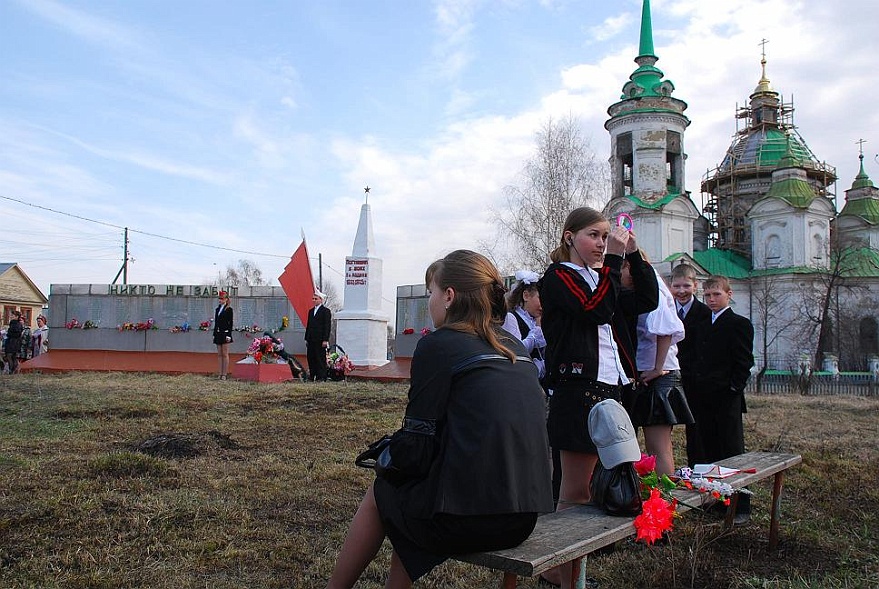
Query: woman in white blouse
[40,337]
[659,402]
[523,317]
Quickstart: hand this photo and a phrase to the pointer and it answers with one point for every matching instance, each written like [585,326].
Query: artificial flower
[646,465]
[408,331]
[657,517]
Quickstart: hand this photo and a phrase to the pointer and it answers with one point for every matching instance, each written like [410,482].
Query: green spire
[645,47]
[862,180]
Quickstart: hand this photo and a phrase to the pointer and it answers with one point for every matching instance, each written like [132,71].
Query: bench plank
[573,533]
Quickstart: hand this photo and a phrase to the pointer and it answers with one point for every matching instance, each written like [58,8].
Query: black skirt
[220,339]
[569,406]
[422,544]
[662,402]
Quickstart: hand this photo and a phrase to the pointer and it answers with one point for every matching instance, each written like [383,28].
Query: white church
[770,220]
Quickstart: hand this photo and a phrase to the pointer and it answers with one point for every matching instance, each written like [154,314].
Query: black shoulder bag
[616,490]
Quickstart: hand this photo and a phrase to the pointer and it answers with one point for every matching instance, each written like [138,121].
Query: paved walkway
[178,363]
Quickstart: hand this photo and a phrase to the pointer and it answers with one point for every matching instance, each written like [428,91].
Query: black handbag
[377,456]
[617,490]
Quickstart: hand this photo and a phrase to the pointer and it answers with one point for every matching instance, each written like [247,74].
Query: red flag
[297,282]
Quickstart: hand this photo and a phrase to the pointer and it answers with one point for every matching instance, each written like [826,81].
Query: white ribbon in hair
[527,276]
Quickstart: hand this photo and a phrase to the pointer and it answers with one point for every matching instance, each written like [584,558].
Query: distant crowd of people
[479,456]
[20,342]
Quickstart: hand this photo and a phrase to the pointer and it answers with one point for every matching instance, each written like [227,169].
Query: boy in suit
[317,337]
[691,311]
[722,357]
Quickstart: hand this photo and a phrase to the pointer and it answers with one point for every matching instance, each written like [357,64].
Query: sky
[218,130]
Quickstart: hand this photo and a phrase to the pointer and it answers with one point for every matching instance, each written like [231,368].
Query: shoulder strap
[471,362]
[524,329]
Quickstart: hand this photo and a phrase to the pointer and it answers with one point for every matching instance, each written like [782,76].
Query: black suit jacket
[698,312]
[722,354]
[317,329]
[223,319]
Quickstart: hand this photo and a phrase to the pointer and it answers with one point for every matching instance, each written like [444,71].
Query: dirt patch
[182,445]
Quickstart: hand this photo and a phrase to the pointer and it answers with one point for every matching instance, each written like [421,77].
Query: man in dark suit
[691,311]
[722,361]
[317,337]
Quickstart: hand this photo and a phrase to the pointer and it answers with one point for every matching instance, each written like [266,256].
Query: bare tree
[333,301]
[771,300]
[563,174]
[246,273]
[821,298]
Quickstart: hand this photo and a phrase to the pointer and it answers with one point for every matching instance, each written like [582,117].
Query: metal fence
[854,384]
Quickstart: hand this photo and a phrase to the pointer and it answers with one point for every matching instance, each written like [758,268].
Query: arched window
[868,336]
[773,250]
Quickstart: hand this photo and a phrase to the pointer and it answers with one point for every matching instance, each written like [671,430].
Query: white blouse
[663,320]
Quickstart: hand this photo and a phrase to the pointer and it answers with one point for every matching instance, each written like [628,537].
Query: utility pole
[320,273]
[124,269]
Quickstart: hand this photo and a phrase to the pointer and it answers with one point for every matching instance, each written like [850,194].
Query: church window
[625,158]
[817,249]
[773,251]
[868,335]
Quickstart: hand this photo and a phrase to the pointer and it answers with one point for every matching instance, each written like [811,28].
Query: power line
[147,233]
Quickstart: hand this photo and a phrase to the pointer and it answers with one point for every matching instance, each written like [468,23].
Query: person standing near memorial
[223,322]
[12,347]
[317,337]
[40,337]
[583,362]
[691,311]
[722,360]
[659,402]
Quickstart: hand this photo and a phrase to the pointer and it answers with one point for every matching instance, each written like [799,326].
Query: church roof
[860,262]
[647,82]
[723,262]
[797,192]
[670,196]
[765,148]
[865,208]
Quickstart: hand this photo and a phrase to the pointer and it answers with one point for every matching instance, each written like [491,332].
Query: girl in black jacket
[473,446]
[584,361]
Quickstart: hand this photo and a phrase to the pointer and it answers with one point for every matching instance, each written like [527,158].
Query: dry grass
[254,485]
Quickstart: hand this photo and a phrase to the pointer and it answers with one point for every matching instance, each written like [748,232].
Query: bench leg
[776,510]
[509,581]
[731,512]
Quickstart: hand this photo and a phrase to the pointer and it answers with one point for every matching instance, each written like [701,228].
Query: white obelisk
[361,327]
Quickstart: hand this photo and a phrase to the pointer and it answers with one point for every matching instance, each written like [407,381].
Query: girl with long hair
[472,450]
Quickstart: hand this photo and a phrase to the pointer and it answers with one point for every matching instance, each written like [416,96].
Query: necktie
[681,313]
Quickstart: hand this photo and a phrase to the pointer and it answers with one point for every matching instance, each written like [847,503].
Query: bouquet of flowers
[89,324]
[180,328]
[338,364]
[205,325]
[249,328]
[73,324]
[659,507]
[146,325]
[262,350]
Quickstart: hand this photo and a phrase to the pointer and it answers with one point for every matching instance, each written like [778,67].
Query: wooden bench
[570,535]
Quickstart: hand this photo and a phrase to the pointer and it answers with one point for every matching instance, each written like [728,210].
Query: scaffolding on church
[745,174]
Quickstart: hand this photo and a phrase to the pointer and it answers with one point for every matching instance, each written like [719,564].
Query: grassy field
[127,480]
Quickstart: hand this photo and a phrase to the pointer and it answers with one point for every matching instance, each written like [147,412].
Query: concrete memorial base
[261,372]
